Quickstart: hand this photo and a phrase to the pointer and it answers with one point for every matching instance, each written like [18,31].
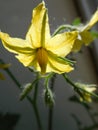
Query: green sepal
[49,97]
[65,27]
[70,62]
[26,89]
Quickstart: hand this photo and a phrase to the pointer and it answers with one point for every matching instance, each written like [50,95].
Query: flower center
[42,59]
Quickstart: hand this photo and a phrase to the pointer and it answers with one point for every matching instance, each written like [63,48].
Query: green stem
[63,27]
[32,102]
[36,89]
[50,116]
[35,108]
[35,104]
[36,112]
[50,110]
[77,87]
[11,75]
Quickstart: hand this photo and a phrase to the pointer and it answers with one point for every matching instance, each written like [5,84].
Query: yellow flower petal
[62,44]
[39,31]
[92,21]
[77,45]
[57,65]
[87,37]
[39,50]
[86,95]
[15,45]
[26,59]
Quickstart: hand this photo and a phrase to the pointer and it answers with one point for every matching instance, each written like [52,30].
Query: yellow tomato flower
[89,89]
[85,37]
[39,49]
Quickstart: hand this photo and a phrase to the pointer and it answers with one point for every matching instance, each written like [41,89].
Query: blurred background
[15,18]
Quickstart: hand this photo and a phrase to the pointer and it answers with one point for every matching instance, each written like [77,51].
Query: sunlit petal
[39,31]
[15,45]
[39,50]
[77,45]
[57,65]
[61,44]
[87,37]
[92,21]
[85,34]
[26,59]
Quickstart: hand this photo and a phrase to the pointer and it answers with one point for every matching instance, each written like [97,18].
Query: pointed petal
[29,61]
[61,44]
[15,45]
[92,21]
[39,31]
[57,65]
[26,59]
[86,37]
[77,45]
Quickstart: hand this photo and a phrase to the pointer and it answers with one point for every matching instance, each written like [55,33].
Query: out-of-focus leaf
[76,22]
[94,34]
[2,76]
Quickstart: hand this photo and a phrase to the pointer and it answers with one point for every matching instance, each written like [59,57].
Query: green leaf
[94,34]
[76,22]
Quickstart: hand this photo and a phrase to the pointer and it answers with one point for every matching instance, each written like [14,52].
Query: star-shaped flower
[39,49]
[85,37]
[88,91]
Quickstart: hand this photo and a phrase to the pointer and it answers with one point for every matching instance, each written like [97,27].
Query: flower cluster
[45,53]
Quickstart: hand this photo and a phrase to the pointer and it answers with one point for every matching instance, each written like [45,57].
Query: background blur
[15,18]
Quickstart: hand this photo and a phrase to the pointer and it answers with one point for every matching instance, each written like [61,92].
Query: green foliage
[76,21]
[94,34]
